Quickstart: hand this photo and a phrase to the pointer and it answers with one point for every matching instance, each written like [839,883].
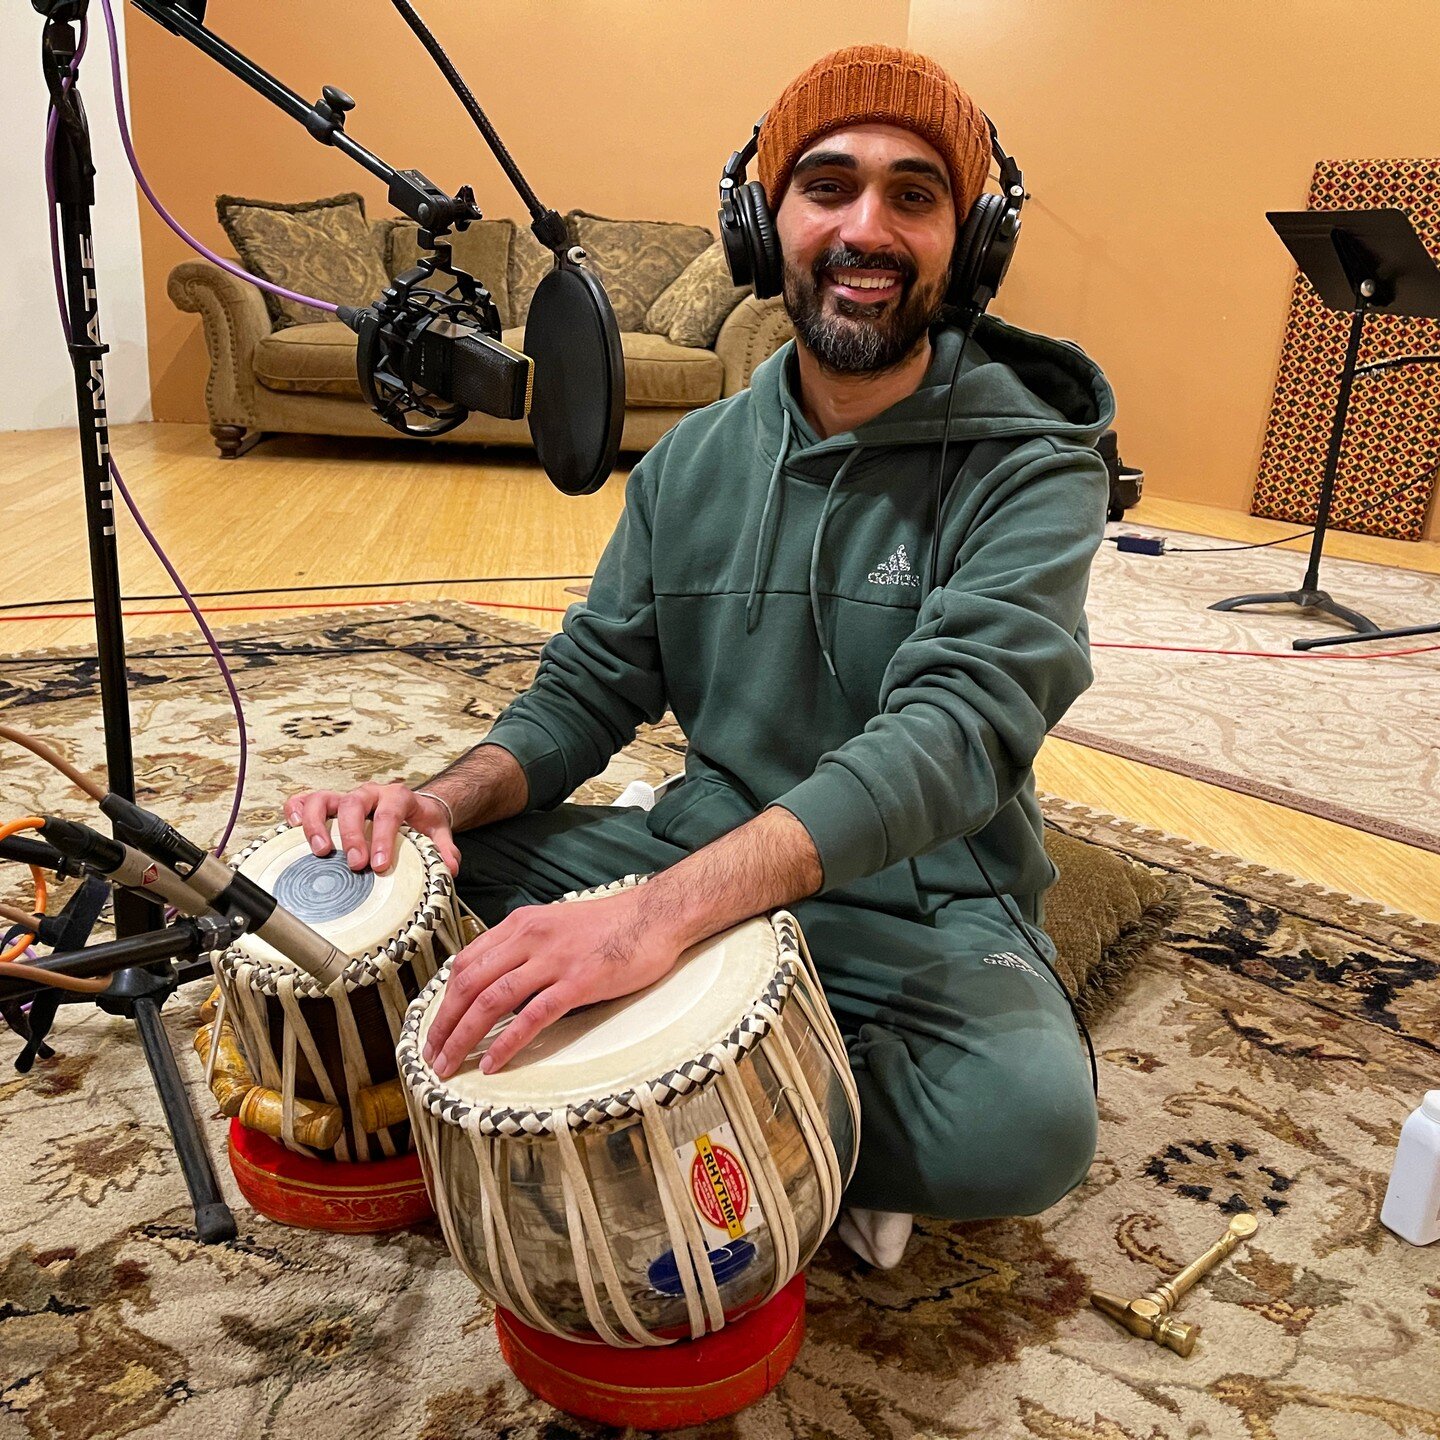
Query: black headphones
[984,245]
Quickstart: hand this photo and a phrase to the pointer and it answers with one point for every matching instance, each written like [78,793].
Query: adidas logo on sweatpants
[1009,961]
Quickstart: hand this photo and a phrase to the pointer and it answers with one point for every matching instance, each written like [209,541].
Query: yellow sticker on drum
[719,1185]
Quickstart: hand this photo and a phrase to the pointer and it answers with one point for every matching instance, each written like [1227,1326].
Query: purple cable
[154,200]
[57,267]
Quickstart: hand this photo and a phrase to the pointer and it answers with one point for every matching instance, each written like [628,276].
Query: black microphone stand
[146,975]
[142,958]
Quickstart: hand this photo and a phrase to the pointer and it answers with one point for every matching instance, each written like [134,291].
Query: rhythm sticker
[720,1185]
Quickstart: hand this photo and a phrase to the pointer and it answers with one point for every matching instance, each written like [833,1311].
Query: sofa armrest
[754,331]
[236,320]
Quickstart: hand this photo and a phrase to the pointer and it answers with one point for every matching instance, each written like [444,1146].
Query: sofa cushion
[483,249]
[636,260]
[316,359]
[659,375]
[692,310]
[319,359]
[530,263]
[322,248]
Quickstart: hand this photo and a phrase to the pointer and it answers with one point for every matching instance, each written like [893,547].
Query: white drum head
[608,1049]
[356,911]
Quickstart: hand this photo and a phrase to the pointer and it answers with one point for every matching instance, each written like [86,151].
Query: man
[854,708]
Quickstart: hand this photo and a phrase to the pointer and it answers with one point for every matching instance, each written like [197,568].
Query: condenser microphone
[433,357]
[225,891]
[121,864]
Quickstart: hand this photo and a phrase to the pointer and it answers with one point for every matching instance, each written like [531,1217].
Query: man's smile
[864,287]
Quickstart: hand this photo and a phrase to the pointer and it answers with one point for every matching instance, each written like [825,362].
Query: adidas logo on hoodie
[895,571]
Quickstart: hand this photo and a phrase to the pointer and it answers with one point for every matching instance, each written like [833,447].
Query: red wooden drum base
[358,1198]
[661,1389]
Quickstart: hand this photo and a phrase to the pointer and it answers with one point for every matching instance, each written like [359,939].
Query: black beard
[861,339]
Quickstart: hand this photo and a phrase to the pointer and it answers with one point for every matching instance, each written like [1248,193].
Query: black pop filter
[578,407]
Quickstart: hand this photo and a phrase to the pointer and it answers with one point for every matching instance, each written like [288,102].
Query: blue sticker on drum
[322,887]
[726,1262]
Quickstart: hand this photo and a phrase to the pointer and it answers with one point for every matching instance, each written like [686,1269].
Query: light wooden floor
[298,512]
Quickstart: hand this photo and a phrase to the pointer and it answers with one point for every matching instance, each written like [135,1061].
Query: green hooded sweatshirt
[775,590]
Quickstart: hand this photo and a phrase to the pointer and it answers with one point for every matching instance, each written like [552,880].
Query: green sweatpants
[974,1091]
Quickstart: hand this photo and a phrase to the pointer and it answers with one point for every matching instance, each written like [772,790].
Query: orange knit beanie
[876,84]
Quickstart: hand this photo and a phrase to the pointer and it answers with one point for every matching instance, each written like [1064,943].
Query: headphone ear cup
[971,249]
[767,271]
[735,239]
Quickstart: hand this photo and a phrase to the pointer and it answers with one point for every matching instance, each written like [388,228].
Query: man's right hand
[387,807]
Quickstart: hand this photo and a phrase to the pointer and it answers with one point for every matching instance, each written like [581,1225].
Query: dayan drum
[648,1168]
[316,1069]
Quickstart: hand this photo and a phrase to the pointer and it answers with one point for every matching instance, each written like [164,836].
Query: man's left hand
[551,959]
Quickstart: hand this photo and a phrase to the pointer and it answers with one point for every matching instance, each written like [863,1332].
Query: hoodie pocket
[697,812]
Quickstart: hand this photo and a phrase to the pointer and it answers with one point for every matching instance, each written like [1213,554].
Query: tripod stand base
[356,1198]
[1309,600]
[683,1384]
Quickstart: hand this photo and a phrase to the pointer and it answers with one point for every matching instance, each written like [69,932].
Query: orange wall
[622,107]
[1154,136]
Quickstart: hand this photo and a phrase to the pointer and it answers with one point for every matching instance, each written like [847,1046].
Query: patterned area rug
[1373,733]
[1261,1058]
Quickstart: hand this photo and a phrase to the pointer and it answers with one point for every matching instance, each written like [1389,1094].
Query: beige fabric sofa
[301,379]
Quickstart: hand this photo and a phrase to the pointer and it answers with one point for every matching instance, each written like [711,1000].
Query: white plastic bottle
[1412,1203]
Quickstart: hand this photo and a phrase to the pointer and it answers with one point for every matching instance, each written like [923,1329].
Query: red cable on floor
[306,605]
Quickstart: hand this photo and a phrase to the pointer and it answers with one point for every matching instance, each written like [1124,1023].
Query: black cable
[1285,539]
[944,446]
[307,589]
[472,106]
[1019,925]
[1011,915]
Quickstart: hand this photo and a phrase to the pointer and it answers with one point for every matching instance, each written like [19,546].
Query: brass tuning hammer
[1148,1316]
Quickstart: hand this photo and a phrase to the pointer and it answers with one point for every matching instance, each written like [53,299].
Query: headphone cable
[1010,914]
[966,332]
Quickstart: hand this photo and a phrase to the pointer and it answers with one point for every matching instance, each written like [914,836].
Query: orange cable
[53,757]
[15,970]
[13,827]
[9,958]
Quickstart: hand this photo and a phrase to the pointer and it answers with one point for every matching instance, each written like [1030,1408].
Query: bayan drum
[649,1168]
[315,1069]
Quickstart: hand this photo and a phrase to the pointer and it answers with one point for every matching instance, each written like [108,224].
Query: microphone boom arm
[408,190]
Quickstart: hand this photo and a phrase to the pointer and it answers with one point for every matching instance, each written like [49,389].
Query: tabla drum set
[638,1191]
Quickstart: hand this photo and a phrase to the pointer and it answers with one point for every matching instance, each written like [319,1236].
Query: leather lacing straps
[813,1126]
[428,1145]
[393,1002]
[357,1076]
[499,1242]
[216,1031]
[298,1032]
[583,1216]
[687,1240]
[822,1022]
[252,1026]
[769,1187]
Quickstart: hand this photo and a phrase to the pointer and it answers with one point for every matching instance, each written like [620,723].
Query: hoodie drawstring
[815,559]
[771,492]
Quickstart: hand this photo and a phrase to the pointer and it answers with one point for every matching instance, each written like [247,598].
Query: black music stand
[1361,262]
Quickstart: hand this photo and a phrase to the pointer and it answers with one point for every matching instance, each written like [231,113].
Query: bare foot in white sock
[878,1237]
